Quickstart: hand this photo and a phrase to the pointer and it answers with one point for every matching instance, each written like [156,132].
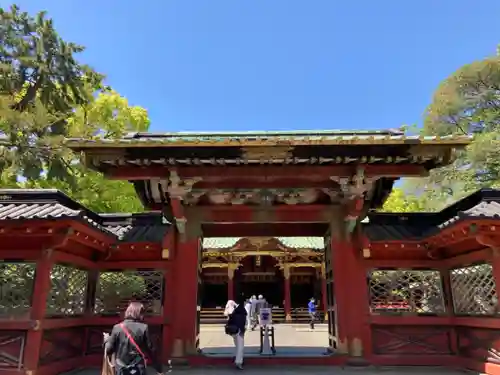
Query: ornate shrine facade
[287,270]
[401,289]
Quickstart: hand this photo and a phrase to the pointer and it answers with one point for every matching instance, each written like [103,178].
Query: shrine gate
[402,289]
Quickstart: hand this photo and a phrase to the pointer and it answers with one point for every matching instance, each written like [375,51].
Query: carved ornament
[267,153]
[178,187]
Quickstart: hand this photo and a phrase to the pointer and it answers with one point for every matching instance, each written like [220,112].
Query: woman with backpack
[130,344]
[235,327]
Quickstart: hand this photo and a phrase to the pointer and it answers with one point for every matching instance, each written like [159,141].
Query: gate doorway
[287,279]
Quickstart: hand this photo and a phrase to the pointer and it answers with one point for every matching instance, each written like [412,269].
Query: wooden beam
[268,171]
[262,229]
[248,214]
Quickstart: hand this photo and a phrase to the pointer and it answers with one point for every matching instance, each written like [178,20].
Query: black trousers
[312,316]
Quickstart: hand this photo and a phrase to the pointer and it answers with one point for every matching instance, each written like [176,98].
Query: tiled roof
[482,210]
[15,211]
[482,204]
[150,227]
[291,242]
[266,138]
[381,232]
[30,204]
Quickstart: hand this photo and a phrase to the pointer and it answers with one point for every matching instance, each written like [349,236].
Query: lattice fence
[16,288]
[412,291]
[116,289]
[474,291]
[68,291]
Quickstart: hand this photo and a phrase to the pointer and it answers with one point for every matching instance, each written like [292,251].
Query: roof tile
[291,242]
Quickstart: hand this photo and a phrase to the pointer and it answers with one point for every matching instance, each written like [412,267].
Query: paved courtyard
[298,370]
[290,340]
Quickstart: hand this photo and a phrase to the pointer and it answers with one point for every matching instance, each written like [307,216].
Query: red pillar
[41,290]
[287,296]
[351,294]
[230,282]
[168,252]
[184,323]
[324,296]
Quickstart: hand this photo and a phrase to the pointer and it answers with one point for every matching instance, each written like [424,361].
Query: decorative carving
[268,154]
[286,271]
[179,188]
[231,268]
[479,343]
[11,349]
[242,197]
[393,340]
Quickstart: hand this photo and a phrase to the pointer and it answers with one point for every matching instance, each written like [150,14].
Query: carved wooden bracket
[489,241]
[178,187]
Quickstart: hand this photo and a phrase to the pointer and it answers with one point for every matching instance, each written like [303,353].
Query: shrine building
[236,213]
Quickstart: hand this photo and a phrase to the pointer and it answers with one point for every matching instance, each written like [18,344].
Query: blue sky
[206,65]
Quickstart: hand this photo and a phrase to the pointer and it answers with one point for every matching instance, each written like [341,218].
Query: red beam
[265,230]
[130,265]
[284,171]
[249,214]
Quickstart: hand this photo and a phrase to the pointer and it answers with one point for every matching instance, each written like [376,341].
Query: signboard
[265,316]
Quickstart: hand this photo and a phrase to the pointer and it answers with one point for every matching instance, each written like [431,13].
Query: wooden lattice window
[406,291]
[16,288]
[474,290]
[116,289]
[68,291]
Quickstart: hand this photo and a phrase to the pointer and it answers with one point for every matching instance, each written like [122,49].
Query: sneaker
[239,367]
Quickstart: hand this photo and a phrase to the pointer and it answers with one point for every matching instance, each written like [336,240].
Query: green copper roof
[292,242]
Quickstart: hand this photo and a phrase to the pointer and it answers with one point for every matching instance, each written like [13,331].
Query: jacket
[123,349]
[239,318]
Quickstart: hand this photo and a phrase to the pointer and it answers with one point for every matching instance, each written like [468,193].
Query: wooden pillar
[230,282]
[168,250]
[41,291]
[351,292]
[288,295]
[448,301]
[324,296]
[184,323]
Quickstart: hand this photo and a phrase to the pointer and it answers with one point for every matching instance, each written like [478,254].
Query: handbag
[231,328]
[132,368]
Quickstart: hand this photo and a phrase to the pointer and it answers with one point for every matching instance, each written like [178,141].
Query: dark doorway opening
[214,295]
[270,290]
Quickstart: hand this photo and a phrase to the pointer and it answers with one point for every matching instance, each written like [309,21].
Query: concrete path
[290,340]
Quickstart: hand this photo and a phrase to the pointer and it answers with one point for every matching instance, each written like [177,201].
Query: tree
[398,201]
[46,94]
[467,103]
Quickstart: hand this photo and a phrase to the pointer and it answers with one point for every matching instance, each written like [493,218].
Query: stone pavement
[306,370]
[290,340]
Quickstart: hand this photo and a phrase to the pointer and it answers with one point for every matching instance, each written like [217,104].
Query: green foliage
[47,94]
[467,102]
[398,201]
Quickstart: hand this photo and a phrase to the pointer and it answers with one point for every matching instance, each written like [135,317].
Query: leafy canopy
[47,94]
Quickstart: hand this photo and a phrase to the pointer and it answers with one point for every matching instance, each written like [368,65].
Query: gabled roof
[266,138]
[52,204]
[313,243]
[482,204]
[142,227]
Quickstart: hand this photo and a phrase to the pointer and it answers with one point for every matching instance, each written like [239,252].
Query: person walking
[130,344]
[311,307]
[260,303]
[236,327]
[248,309]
